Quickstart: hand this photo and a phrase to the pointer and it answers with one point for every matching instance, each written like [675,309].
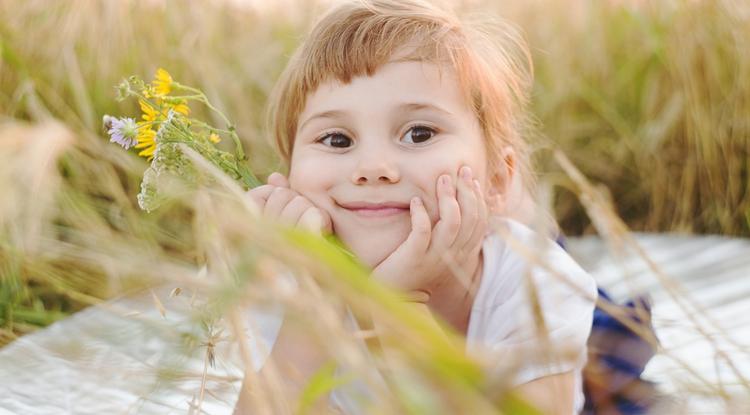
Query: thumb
[421,228]
[414,246]
[278,179]
[326,226]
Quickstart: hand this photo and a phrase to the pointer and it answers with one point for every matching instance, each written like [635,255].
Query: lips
[369,205]
[378,209]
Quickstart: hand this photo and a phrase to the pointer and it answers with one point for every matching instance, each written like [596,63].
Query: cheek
[313,188]
[427,179]
[309,177]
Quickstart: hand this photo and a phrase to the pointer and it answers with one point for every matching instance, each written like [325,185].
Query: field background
[650,100]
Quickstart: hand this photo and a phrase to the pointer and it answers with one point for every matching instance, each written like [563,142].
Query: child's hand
[277,201]
[418,262]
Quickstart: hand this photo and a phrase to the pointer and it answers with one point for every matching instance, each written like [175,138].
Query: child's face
[374,144]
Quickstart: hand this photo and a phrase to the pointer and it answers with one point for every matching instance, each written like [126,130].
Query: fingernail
[445,181]
[415,201]
[466,174]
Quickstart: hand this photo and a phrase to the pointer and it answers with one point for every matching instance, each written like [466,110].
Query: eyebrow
[416,106]
[409,106]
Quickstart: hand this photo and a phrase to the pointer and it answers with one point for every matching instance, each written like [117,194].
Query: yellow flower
[214,138]
[152,117]
[163,82]
[146,140]
[150,114]
[182,108]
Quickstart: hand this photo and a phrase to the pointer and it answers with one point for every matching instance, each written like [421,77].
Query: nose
[376,168]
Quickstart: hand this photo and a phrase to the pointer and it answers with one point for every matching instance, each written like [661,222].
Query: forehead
[393,83]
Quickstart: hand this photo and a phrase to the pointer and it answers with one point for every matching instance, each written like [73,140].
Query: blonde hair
[492,64]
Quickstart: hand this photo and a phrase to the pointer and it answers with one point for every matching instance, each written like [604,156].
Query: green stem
[209,127]
[237,169]
[240,169]
[183,96]
[238,144]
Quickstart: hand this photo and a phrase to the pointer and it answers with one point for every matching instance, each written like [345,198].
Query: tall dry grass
[651,100]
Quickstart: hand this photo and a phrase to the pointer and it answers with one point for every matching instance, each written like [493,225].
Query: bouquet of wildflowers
[165,127]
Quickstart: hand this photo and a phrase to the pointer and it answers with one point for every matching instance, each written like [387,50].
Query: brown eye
[336,140]
[420,134]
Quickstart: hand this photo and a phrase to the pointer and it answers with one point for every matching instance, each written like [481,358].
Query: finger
[260,194]
[327,226]
[480,230]
[315,220]
[449,223]
[321,222]
[276,202]
[418,240]
[292,212]
[467,202]
[278,179]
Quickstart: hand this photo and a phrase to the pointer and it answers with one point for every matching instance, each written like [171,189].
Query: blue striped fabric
[617,355]
[616,358]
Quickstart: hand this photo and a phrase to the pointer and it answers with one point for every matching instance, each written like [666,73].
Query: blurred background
[649,100]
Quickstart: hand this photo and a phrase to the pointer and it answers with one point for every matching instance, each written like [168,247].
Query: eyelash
[432,130]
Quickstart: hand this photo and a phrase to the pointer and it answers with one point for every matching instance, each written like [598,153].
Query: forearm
[553,395]
[295,357]
[386,338]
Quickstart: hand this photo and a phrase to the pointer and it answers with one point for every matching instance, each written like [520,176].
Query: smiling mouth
[379,212]
[376,210]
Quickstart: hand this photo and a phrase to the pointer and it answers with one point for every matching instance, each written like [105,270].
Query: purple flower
[123,131]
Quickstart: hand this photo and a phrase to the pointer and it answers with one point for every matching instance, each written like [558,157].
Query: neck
[452,297]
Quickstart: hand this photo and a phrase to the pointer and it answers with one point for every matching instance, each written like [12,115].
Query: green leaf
[321,383]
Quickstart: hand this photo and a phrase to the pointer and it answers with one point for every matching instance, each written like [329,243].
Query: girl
[401,127]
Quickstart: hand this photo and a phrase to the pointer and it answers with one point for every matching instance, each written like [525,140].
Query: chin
[372,247]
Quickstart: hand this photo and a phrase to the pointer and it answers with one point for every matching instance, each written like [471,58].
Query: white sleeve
[263,323]
[517,340]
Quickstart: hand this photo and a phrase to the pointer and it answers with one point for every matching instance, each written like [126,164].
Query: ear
[500,181]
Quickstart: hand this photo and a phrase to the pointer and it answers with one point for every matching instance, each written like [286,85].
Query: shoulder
[530,286]
[515,257]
